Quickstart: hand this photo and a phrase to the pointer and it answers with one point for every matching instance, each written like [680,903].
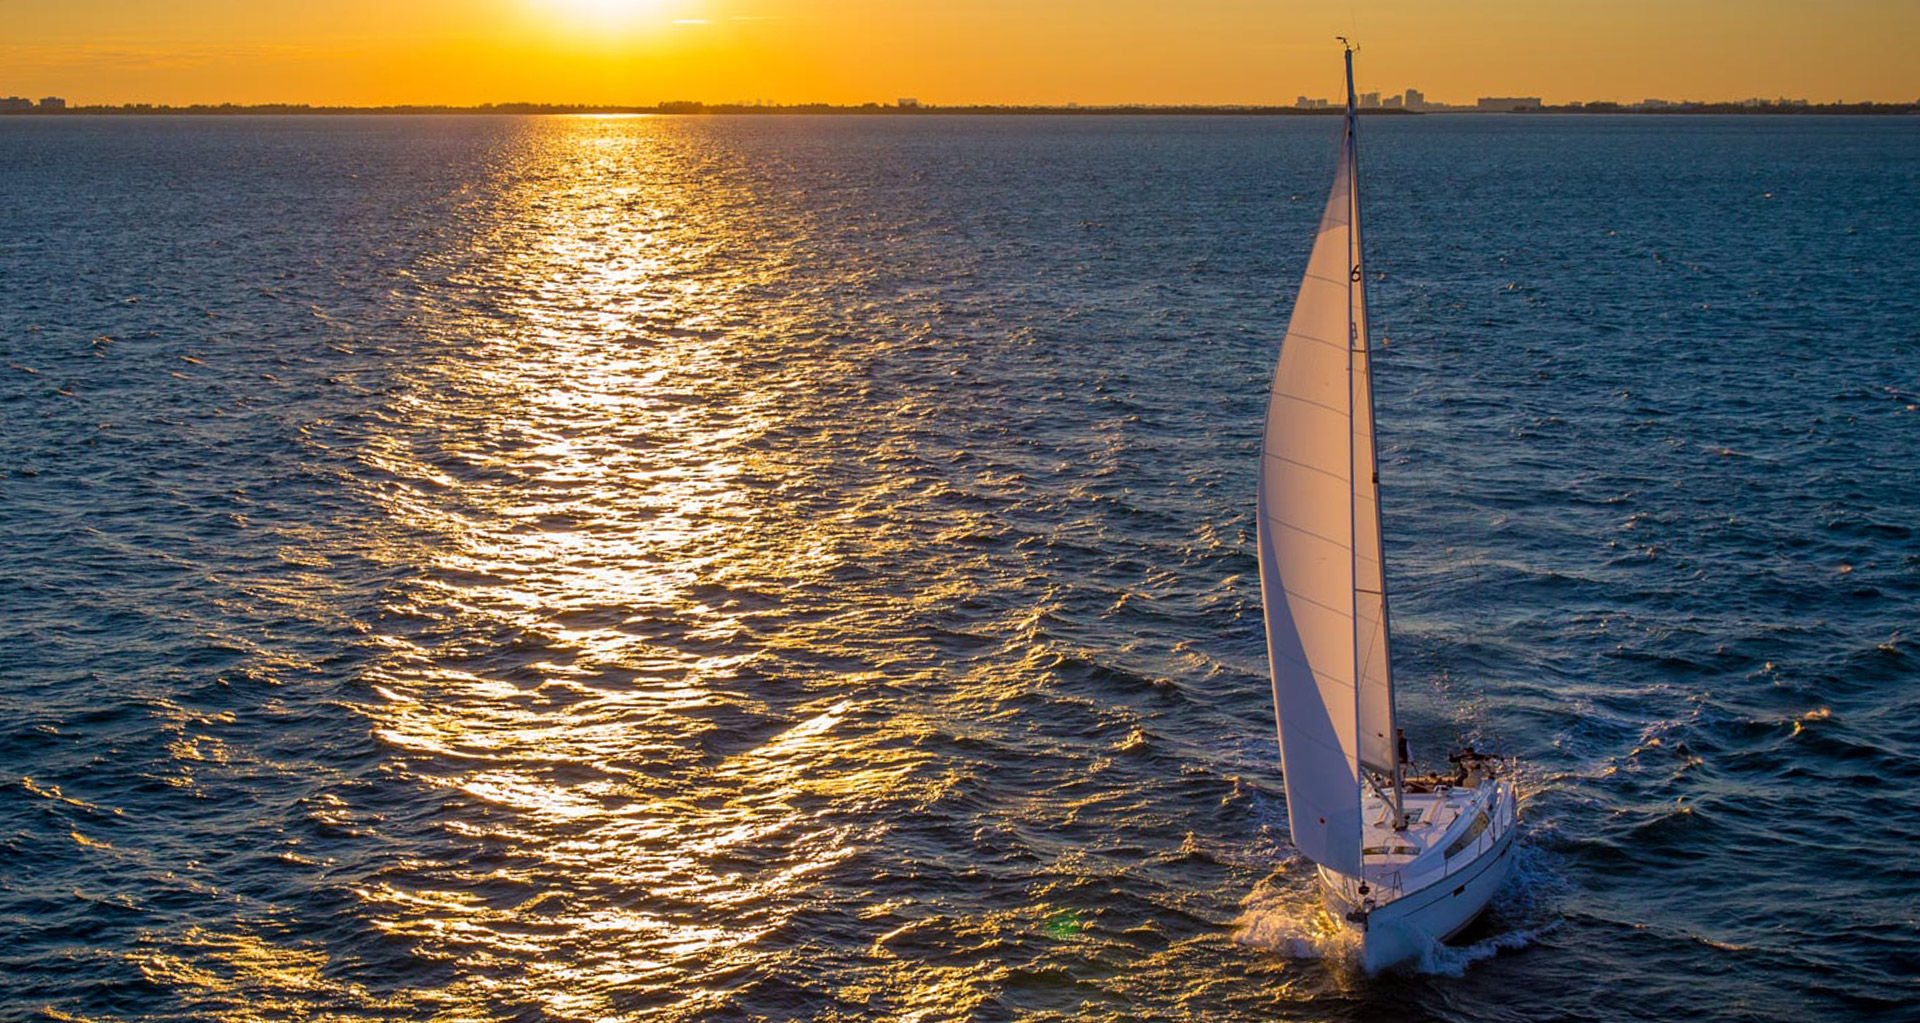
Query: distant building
[1310,104]
[15,103]
[1393,103]
[1415,99]
[1505,104]
[907,103]
[1369,99]
[53,103]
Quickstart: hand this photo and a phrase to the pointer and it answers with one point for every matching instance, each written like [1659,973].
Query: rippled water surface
[774,569]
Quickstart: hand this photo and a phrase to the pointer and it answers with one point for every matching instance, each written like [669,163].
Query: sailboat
[1404,861]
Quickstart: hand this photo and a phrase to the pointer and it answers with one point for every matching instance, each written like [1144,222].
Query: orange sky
[949,51]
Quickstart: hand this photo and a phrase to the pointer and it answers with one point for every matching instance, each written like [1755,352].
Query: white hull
[1414,901]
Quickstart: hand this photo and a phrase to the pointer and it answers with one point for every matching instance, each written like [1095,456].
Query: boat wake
[1294,923]
[1443,960]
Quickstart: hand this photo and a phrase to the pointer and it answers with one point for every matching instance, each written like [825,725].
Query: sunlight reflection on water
[595,419]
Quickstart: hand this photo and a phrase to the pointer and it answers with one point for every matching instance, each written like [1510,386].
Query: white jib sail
[1321,577]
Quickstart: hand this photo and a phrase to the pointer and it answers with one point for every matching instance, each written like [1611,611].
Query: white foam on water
[1443,960]
[1294,923]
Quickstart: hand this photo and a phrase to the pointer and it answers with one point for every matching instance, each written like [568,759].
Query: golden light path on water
[577,464]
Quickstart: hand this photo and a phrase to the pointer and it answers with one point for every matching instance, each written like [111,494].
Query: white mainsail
[1321,576]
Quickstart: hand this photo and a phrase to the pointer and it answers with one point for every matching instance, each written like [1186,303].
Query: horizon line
[1519,104]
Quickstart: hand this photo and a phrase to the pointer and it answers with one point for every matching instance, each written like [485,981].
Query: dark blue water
[773,569]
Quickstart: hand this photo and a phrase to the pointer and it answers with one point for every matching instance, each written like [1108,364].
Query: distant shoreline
[870,109]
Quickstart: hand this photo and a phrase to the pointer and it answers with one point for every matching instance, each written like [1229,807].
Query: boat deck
[1396,862]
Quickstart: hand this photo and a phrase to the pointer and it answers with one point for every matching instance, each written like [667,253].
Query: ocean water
[803,569]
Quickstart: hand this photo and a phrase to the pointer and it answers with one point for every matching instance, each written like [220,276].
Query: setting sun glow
[599,16]
[640,52]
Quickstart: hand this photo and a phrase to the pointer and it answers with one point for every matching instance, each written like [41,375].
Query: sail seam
[1308,466]
[1296,594]
[1302,529]
[1303,335]
[1322,681]
[1309,401]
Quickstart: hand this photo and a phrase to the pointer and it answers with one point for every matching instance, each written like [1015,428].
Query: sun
[602,15]
[610,8]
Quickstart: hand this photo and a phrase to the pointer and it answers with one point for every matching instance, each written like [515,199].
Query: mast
[1379,739]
